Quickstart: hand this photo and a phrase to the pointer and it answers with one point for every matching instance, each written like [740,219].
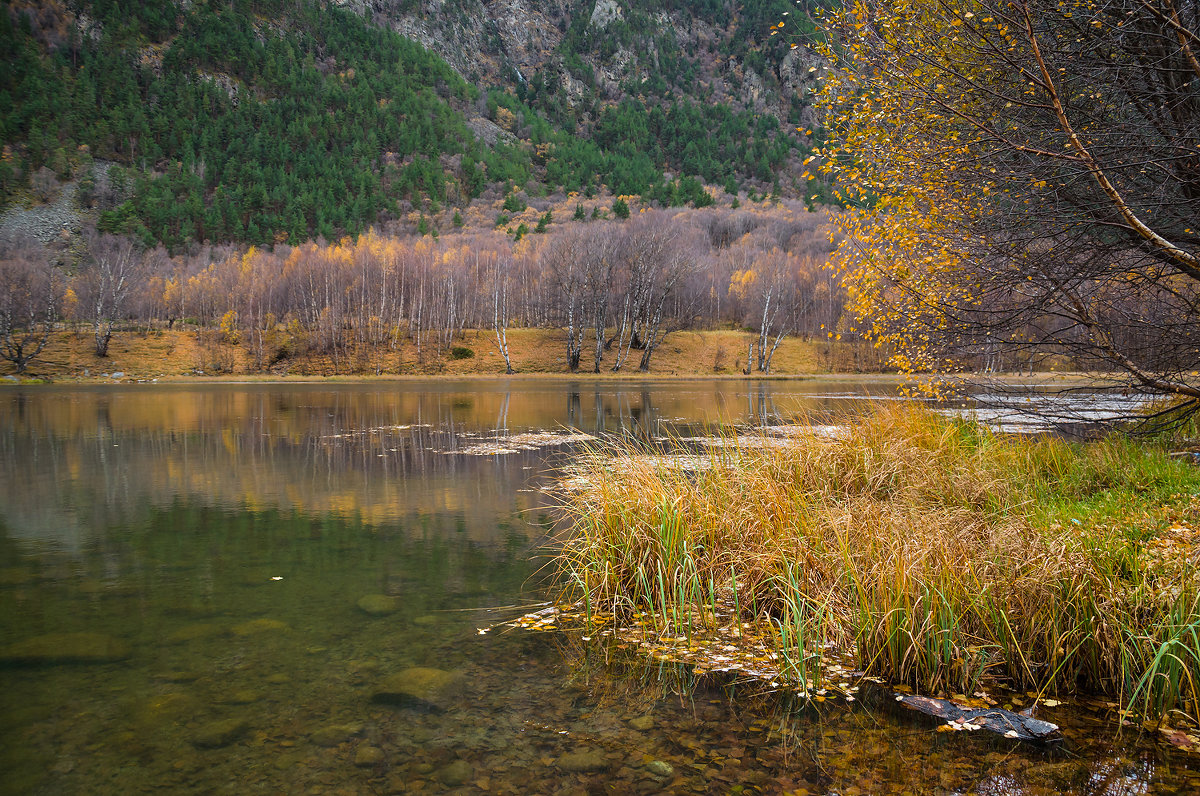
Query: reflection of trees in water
[55,489]
[74,460]
[760,405]
[574,407]
[615,412]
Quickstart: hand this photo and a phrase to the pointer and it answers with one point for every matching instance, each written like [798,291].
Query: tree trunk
[102,336]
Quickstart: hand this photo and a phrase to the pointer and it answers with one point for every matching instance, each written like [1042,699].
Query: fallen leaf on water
[983,695]
[1180,739]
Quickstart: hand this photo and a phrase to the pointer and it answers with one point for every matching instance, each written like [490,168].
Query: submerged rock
[379,604]
[220,733]
[367,756]
[421,735]
[420,686]
[660,769]
[66,648]
[256,626]
[334,734]
[457,773]
[170,708]
[583,761]
[642,723]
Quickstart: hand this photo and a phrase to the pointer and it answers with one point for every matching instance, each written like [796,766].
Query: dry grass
[171,353]
[934,551]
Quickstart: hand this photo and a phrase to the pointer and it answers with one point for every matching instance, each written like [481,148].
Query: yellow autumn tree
[1027,178]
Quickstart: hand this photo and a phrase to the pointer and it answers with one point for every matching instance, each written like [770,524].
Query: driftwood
[997,720]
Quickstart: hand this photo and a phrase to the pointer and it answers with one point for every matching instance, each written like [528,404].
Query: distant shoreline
[156,355]
[1042,380]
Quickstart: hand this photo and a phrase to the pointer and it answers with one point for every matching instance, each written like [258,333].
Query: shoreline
[800,562]
[1038,380]
[196,356]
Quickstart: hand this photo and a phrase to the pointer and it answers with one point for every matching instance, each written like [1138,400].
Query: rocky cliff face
[507,42]
[484,41]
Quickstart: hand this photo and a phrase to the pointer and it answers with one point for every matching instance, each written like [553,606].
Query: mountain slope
[582,51]
[280,120]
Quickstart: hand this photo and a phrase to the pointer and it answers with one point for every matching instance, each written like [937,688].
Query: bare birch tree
[113,271]
[30,296]
[563,265]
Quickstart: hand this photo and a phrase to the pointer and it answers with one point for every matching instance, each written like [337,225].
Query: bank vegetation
[921,550]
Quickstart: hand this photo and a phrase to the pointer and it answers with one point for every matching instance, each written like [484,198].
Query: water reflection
[75,460]
[237,572]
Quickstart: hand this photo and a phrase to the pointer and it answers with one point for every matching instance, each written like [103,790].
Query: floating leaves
[744,648]
[514,443]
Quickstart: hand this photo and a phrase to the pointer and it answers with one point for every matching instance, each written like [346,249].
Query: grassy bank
[924,551]
[183,353]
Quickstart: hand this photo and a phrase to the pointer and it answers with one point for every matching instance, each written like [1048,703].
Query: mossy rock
[379,604]
[368,756]
[642,723]
[220,733]
[420,686]
[334,734]
[256,626]
[173,707]
[455,774]
[583,761]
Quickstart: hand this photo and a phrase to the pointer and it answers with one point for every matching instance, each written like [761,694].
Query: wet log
[997,720]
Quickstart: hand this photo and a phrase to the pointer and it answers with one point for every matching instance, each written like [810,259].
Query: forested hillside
[267,121]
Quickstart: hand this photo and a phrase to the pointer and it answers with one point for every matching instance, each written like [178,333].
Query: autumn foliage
[1028,175]
[617,288]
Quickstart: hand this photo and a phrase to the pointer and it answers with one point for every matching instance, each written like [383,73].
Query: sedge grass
[933,551]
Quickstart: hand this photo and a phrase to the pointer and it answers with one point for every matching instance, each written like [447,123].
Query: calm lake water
[240,589]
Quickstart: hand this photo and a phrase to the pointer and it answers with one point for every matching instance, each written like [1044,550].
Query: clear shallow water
[219,539]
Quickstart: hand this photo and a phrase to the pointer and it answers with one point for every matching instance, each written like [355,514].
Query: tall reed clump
[937,552]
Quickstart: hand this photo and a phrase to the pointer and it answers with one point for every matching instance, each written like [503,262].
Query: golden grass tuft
[936,552]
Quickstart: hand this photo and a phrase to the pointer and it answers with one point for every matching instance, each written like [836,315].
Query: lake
[280,589]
